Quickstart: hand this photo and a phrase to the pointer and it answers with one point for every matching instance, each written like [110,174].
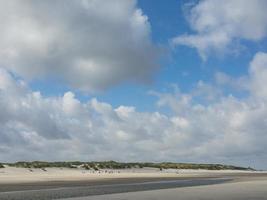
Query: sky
[134,80]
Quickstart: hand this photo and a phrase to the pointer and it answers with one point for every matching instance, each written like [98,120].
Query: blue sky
[180,65]
[155,77]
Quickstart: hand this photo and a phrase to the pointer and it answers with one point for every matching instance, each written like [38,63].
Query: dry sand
[23,175]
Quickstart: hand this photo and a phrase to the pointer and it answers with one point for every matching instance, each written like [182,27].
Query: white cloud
[219,24]
[70,104]
[237,84]
[102,43]
[258,74]
[221,129]
[90,45]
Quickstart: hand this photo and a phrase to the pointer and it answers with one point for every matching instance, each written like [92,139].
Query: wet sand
[248,190]
[109,188]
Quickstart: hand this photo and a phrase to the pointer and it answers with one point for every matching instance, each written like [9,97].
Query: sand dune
[21,175]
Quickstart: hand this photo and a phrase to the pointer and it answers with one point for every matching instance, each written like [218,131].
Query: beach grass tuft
[121,165]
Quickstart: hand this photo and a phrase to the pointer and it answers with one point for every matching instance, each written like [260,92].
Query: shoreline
[12,177]
[247,190]
[20,183]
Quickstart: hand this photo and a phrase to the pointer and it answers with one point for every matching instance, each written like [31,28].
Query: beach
[135,183]
[249,190]
[9,175]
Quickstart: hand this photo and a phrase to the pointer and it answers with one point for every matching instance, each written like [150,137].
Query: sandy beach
[146,183]
[9,175]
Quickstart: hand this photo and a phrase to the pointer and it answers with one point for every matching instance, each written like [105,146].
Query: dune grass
[120,165]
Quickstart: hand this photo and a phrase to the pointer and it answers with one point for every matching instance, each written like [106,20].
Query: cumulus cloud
[37,127]
[258,74]
[218,24]
[90,45]
[227,129]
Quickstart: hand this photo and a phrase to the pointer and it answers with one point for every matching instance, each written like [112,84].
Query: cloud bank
[90,45]
[226,129]
[219,25]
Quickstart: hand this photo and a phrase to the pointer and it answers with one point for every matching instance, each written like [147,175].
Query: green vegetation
[2,166]
[42,164]
[119,165]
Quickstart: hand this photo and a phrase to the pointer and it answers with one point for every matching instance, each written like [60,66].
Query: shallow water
[67,192]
